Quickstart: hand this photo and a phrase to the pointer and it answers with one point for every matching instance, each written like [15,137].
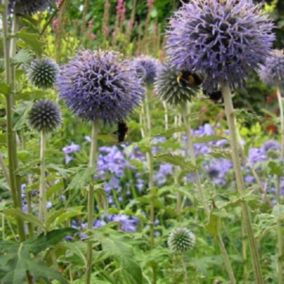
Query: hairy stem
[149,157]
[42,182]
[185,273]
[278,197]
[235,151]
[11,137]
[90,205]
[166,116]
[191,153]
[226,259]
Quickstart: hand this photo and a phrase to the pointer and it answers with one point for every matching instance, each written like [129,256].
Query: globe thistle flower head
[99,86]
[181,240]
[176,87]
[224,40]
[272,72]
[146,68]
[43,72]
[28,7]
[44,116]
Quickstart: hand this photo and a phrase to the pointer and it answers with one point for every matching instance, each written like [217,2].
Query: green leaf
[50,239]
[32,41]
[14,213]
[177,161]
[83,177]
[213,224]
[24,56]
[207,138]
[4,88]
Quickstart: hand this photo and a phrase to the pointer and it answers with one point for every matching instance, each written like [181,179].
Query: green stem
[11,137]
[235,151]
[191,153]
[4,170]
[90,205]
[278,197]
[149,158]
[226,259]
[42,182]
[184,267]
[166,116]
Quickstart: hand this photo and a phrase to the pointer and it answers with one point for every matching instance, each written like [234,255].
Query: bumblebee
[121,132]
[188,79]
[214,96]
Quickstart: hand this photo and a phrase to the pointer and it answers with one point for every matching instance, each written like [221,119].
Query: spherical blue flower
[181,240]
[146,68]
[99,86]
[224,40]
[29,7]
[272,72]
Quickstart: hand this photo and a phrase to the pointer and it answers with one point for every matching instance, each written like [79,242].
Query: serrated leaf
[83,177]
[32,41]
[16,213]
[207,138]
[50,239]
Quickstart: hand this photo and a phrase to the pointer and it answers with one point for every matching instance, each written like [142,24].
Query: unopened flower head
[29,7]
[44,116]
[43,73]
[99,86]
[224,40]
[147,68]
[176,87]
[181,240]
[272,72]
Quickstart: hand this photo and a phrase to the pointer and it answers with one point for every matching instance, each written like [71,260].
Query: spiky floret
[99,86]
[146,68]
[44,116]
[181,240]
[224,40]
[176,87]
[272,72]
[43,72]
[28,7]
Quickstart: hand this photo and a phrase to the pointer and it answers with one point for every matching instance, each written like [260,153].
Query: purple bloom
[146,68]
[272,72]
[224,40]
[99,86]
[28,7]
[271,145]
[72,148]
[256,155]
[218,169]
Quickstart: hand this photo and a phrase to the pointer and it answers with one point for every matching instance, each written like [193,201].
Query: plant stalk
[42,182]
[149,158]
[11,137]
[280,252]
[191,153]
[90,205]
[226,259]
[235,151]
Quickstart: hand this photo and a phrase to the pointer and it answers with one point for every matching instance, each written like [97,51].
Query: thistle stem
[226,259]
[191,153]
[42,182]
[11,137]
[235,150]
[184,266]
[90,205]
[149,158]
[278,197]
[166,116]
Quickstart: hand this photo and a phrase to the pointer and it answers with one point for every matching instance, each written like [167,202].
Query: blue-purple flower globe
[224,40]
[99,86]
[272,72]
[29,7]
[146,68]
